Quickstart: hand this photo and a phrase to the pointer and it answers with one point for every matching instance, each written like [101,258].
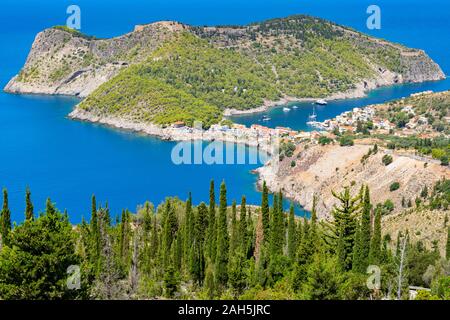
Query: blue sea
[69,160]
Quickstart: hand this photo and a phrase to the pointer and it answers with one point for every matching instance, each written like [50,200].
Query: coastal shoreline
[362,90]
[172,133]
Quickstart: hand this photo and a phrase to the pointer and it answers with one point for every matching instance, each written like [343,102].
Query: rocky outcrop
[66,62]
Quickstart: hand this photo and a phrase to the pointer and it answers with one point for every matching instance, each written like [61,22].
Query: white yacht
[321,102]
[286,109]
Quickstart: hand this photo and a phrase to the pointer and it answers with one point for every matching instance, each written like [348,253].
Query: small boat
[295,107]
[266,119]
[312,117]
[286,109]
[321,102]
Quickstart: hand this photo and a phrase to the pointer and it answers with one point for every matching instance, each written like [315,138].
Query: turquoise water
[69,160]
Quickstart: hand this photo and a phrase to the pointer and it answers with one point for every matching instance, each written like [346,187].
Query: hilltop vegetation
[216,68]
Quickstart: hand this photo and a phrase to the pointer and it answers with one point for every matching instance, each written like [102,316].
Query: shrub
[324,140]
[346,141]
[387,160]
[395,186]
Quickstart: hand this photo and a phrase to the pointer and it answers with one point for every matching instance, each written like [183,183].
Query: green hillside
[168,71]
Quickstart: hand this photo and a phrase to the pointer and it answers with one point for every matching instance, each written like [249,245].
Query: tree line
[215,251]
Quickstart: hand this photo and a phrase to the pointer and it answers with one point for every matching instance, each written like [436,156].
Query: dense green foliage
[257,253]
[199,72]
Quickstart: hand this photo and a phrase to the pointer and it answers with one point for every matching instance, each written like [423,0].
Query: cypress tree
[251,235]
[210,283]
[171,282]
[299,232]
[188,229]
[358,263]
[366,231]
[234,230]
[292,234]
[154,239]
[243,232]
[170,228]
[222,240]
[95,233]
[375,245]
[305,248]
[397,249]
[178,250]
[265,211]
[212,227]
[5,219]
[277,234]
[447,248]
[281,212]
[124,248]
[197,254]
[29,210]
[314,238]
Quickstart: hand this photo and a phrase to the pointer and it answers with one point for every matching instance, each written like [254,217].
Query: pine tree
[5,219]
[375,245]
[29,210]
[212,226]
[292,234]
[222,240]
[265,211]
[344,227]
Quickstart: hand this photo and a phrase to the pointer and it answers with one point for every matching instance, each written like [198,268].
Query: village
[371,117]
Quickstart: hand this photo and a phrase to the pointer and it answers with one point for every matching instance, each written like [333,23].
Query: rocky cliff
[66,62]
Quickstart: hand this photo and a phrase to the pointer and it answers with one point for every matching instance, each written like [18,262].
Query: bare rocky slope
[321,169]
[264,63]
